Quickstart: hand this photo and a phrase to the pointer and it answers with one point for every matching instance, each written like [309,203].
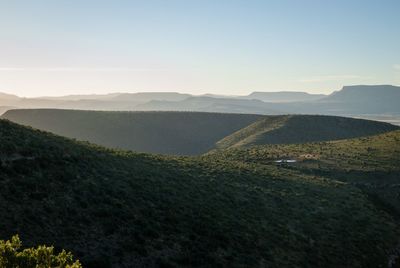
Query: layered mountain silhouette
[112,102]
[382,99]
[209,104]
[359,100]
[351,100]
[283,96]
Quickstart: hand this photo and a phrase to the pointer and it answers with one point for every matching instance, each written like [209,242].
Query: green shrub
[12,256]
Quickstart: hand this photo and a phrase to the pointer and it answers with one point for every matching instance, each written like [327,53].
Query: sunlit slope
[120,209]
[178,133]
[369,163]
[377,152]
[287,129]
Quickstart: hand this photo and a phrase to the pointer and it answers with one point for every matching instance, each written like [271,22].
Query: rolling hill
[123,209]
[300,129]
[191,133]
[181,133]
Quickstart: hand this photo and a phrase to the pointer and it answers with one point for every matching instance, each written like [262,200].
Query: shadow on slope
[180,133]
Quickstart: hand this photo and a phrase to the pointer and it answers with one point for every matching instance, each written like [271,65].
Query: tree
[12,256]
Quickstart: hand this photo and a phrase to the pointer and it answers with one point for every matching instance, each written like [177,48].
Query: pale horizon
[89,92]
[227,47]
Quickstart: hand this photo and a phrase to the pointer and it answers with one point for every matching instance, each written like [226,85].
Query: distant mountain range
[382,99]
[283,96]
[361,100]
[9,97]
[108,102]
[209,104]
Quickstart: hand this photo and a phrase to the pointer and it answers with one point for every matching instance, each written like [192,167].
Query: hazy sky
[60,47]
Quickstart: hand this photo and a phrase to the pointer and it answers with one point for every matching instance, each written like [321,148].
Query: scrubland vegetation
[236,208]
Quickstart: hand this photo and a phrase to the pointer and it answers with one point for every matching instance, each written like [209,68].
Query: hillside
[370,163]
[301,129]
[379,152]
[191,133]
[121,209]
[181,133]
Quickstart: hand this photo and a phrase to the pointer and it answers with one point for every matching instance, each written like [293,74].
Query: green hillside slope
[301,128]
[191,133]
[369,163]
[178,133]
[121,209]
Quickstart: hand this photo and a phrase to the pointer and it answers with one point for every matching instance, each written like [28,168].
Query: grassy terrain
[124,209]
[291,129]
[379,152]
[369,163]
[177,133]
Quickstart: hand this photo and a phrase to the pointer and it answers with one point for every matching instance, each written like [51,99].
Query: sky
[229,47]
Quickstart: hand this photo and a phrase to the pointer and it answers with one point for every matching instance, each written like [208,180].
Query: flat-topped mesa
[366,93]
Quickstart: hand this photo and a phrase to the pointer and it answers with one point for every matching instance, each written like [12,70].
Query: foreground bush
[11,256]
